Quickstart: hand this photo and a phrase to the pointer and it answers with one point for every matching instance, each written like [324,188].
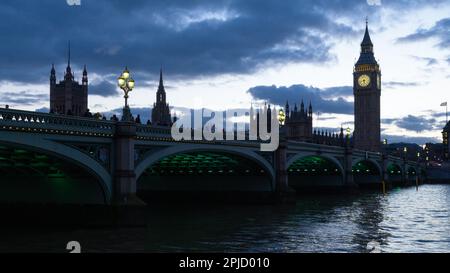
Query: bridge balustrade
[53,123]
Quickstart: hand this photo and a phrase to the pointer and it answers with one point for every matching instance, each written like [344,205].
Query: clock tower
[367,93]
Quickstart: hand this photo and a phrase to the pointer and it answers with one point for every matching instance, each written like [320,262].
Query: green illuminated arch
[228,154]
[366,167]
[30,176]
[412,171]
[204,163]
[63,152]
[394,169]
[314,165]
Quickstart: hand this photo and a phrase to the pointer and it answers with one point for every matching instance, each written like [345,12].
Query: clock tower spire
[367,93]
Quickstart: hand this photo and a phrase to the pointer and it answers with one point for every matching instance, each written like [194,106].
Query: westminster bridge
[55,158]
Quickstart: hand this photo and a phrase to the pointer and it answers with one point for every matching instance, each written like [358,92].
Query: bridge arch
[394,168]
[371,163]
[240,152]
[411,171]
[54,149]
[366,172]
[394,173]
[311,170]
[327,157]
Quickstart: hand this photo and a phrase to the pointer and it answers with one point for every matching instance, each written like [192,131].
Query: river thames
[403,220]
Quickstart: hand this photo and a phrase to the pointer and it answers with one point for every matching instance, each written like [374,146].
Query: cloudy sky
[225,54]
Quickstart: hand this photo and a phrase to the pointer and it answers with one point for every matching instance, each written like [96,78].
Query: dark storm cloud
[22,98]
[295,93]
[43,110]
[440,30]
[437,114]
[428,61]
[388,120]
[417,123]
[191,38]
[104,89]
[339,91]
[400,84]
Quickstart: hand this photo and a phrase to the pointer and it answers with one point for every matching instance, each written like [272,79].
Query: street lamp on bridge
[348,136]
[126,83]
[281,117]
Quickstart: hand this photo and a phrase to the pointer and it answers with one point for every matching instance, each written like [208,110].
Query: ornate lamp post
[348,135]
[126,83]
[281,117]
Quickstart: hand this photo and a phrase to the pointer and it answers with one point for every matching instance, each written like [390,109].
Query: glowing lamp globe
[130,84]
[121,82]
[126,74]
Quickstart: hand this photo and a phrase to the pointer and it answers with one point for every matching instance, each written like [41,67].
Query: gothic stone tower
[68,97]
[367,93]
[160,111]
[299,123]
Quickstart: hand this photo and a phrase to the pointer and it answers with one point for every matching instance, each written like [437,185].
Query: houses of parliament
[69,97]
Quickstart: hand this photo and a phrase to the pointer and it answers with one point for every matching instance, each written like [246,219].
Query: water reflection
[404,220]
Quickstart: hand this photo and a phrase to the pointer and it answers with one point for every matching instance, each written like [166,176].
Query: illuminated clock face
[378,81]
[364,80]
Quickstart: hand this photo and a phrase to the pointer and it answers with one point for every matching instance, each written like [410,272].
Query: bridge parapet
[314,147]
[149,132]
[26,121]
[367,155]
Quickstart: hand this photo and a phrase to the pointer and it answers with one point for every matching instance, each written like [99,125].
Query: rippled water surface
[404,220]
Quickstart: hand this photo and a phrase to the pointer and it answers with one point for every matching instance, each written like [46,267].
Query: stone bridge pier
[348,176]
[124,184]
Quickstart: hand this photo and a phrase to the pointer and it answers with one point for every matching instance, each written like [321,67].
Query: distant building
[68,97]
[299,123]
[367,93]
[445,140]
[432,153]
[435,152]
[413,151]
[161,112]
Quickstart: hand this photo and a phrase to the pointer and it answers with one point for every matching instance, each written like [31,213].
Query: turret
[161,112]
[367,55]
[287,110]
[366,44]
[85,76]
[161,93]
[68,76]
[310,111]
[53,75]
